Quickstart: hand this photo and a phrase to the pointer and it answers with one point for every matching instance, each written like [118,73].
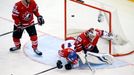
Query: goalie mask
[91,33]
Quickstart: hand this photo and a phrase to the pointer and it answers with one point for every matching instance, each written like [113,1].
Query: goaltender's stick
[88,64]
[83,58]
[15,30]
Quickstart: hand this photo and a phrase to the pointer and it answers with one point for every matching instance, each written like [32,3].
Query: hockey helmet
[91,33]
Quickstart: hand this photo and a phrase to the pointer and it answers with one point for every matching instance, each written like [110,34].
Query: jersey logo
[27,16]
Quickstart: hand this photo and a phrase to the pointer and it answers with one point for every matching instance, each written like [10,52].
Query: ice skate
[14,48]
[38,52]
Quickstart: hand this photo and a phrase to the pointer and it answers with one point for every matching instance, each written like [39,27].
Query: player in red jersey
[67,51]
[23,16]
[87,40]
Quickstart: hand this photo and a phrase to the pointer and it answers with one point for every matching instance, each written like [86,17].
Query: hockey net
[94,14]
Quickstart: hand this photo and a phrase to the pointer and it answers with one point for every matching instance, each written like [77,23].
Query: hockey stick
[83,58]
[15,30]
[46,70]
[93,70]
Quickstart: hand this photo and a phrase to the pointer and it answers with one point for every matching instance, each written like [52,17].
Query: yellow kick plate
[131,0]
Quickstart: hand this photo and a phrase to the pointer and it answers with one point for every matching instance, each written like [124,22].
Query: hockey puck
[72,15]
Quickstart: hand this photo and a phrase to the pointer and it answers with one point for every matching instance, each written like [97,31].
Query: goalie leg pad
[106,58]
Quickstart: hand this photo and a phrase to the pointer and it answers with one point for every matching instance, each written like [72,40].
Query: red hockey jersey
[66,52]
[24,14]
[83,41]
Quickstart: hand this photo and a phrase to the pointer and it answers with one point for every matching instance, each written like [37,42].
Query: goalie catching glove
[107,35]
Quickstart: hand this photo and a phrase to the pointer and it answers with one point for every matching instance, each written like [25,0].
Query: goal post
[79,17]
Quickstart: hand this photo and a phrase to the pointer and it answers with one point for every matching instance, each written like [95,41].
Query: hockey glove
[68,66]
[107,35]
[40,20]
[59,64]
[19,27]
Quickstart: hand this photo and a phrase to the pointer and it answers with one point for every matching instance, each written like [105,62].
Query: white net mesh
[94,14]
